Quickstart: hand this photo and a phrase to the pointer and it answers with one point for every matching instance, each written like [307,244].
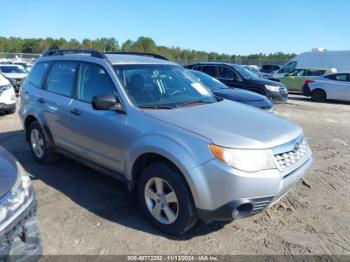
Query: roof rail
[138,53]
[61,52]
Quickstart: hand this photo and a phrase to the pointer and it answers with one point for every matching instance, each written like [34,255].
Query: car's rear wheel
[318,95]
[165,198]
[39,145]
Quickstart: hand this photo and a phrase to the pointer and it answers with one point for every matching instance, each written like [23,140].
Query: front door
[100,136]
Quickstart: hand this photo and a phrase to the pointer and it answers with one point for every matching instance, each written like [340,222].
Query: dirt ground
[84,212]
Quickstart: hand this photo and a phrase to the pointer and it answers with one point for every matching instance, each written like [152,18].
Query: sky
[238,27]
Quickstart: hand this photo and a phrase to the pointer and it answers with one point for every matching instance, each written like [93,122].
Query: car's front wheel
[165,198]
[39,144]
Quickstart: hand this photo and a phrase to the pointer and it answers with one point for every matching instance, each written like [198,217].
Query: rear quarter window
[37,75]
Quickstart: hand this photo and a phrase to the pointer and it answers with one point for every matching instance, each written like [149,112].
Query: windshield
[245,73]
[162,86]
[254,71]
[12,69]
[208,81]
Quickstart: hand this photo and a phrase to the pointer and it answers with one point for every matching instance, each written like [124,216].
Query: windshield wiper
[156,107]
[197,101]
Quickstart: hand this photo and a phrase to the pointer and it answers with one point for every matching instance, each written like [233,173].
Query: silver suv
[149,122]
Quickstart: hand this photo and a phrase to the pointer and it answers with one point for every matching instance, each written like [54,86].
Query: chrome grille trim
[289,155]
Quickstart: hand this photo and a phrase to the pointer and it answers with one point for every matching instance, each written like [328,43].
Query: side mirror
[107,102]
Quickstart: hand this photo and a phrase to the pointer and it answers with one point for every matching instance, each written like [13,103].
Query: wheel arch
[148,151]
[29,119]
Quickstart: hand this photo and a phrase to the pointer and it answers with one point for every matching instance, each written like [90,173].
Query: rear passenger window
[38,73]
[338,77]
[210,70]
[94,81]
[61,78]
[312,72]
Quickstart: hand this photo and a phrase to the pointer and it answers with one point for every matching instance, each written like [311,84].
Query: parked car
[27,66]
[7,96]
[254,71]
[340,60]
[19,232]
[295,79]
[14,73]
[237,76]
[235,94]
[269,68]
[149,122]
[332,86]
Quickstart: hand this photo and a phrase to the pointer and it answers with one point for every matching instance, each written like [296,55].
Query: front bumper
[7,107]
[278,97]
[224,193]
[20,240]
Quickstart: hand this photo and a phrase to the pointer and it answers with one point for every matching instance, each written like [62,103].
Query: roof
[115,58]
[213,63]
[119,59]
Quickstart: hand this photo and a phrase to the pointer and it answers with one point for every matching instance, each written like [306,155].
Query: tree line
[142,44]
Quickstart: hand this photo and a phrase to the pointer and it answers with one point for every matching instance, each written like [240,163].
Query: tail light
[308,82]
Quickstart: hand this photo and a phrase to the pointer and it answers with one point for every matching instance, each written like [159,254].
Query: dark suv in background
[269,68]
[234,75]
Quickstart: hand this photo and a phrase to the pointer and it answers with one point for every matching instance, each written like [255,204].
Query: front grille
[292,157]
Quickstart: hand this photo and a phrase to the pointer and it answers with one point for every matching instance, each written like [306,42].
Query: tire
[36,139]
[184,214]
[318,95]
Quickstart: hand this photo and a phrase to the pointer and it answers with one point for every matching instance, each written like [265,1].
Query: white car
[332,86]
[7,96]
[15,73]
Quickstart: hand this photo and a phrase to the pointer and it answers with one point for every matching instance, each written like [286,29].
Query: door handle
[75,111]
[41,100]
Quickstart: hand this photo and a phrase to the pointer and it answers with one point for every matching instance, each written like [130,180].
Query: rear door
[99,136]
[55,100]
[338,86]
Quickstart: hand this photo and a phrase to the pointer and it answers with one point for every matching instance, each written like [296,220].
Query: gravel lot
[84,212]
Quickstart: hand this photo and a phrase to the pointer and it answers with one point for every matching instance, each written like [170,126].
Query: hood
[3,81]
[15,75]
[239,94]
[262,82]
[231,124]
[8,172]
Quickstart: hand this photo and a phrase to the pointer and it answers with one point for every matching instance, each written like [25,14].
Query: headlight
[19,195]
[272,88]
[244,159]
[5,87]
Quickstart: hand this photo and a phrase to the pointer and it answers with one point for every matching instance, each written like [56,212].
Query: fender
[180,155]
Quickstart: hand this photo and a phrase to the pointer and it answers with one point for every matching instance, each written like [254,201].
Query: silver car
[151,123]
[333,86]
[19,232]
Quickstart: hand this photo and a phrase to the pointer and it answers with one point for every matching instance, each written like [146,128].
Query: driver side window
[93,80]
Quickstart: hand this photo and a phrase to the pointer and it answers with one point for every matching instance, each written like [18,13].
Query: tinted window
[12,69]
[61,78]
[338,77]
[210,70]
[226,73]
[37,75]
[295,72]
[94,81]
[311,72]
[208,81]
